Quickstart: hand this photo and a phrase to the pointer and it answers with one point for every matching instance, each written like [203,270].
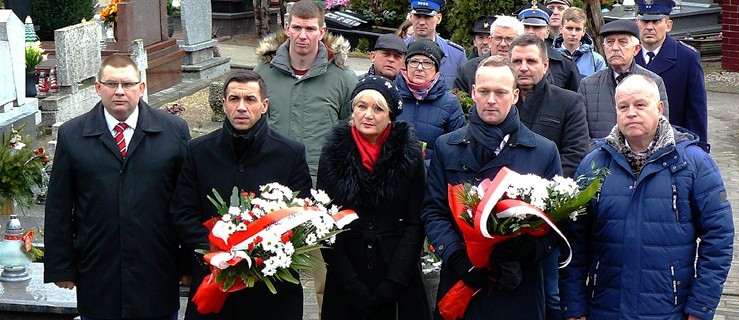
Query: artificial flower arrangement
[509,206]
[21,169]
[109,14]
[34,55]
[338,4]
[33,253]
[265,239]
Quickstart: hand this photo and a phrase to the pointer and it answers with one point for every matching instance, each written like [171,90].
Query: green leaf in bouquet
[235,200]
[284,274]
[218,202]
[269,284]
[575,204]
[228,283]
[248,280]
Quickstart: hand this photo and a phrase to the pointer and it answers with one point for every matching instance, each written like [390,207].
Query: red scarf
[367,150]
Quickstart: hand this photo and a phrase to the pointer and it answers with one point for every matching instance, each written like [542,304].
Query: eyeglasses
[501,39]
[425,65]
[125,85]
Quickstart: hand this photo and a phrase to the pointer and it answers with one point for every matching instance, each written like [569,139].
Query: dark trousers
[172,317]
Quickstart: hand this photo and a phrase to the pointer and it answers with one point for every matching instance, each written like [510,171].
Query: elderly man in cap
[557,7]
[481,37]
[678,64]
[621,44]
[425,15]
[388,56]
[503,31]
[563,72]
[634,252]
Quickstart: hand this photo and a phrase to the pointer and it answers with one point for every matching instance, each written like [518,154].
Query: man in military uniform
[425,15]
[678,64]
[481,37]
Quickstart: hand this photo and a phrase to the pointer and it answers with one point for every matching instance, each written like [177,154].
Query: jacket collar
[268,48]
[437,91]
[95,125]
[226,140]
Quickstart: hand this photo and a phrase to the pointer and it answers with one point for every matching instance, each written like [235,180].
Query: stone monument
[197,23]
[15,108]
[77,57]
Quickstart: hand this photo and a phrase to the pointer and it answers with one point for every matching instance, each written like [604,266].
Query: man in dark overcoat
[246,153]
[495,138]
[108,230]
[678,64]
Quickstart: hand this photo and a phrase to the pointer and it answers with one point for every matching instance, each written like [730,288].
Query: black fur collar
[399,160]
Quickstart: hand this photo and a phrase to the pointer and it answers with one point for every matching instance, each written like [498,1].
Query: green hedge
[49,15]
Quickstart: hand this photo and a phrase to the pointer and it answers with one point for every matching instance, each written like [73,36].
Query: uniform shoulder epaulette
[454,45]
[687,45]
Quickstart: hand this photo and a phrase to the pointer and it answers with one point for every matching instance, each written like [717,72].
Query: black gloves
[525,248]
[473,277]
[358,295]
[387,292]
[507,274]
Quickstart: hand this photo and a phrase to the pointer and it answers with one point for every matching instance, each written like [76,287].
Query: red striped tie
[119,139]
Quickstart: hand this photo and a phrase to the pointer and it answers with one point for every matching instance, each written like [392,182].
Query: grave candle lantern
[13,260]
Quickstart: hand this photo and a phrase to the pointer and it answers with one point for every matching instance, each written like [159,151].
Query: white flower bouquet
[264,239]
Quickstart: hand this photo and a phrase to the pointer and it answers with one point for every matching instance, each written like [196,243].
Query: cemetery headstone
[199,61]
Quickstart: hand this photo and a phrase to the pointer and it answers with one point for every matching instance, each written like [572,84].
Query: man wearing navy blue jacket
[678,64]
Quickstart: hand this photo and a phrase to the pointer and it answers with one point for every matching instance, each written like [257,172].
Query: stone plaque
[77,52]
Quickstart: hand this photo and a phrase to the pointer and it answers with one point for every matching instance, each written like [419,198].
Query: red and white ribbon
[509,208]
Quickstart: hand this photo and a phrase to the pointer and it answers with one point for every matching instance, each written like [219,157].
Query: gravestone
[199,62]
[77,57]
[147,20]
[15,108]
[231,17]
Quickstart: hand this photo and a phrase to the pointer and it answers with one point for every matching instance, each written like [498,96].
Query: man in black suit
[108,229]
[246,153]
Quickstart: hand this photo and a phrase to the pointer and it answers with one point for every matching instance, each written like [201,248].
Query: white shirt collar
[646,57]
[132,120]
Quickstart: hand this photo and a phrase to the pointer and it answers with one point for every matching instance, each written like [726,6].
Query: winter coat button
[704,309]
[441,247]
[464,168]
[370,265]
[369,246]
[664,163]
[370,226]
[631,187]
[241,168]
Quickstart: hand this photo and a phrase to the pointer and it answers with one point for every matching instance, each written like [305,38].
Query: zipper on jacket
[674,202]
[674,283]
[595,279]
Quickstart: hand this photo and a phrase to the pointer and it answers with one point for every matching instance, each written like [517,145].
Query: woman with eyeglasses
[427,105]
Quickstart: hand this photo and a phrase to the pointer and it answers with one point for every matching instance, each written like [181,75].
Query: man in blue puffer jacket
[634,253]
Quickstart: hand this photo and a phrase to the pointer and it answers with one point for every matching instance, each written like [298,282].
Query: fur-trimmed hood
[269,47]
[353,185]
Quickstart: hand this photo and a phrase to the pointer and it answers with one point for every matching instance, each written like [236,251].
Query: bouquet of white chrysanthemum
[264,239]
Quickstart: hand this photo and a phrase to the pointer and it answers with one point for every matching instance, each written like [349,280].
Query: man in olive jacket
[309,84]
[108,229]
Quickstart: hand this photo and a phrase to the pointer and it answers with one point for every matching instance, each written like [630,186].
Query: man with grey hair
[634,252]
[621,44]
[502,32]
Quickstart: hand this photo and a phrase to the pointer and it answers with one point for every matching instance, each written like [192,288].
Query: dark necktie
[651,57]
[622,76]
[119,139]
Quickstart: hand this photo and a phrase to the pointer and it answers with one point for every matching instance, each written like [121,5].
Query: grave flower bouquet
[266,239]
[34,55]
[109,14]
[21,168]
[509,206]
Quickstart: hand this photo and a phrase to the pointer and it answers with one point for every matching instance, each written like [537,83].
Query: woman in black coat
[374,165]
